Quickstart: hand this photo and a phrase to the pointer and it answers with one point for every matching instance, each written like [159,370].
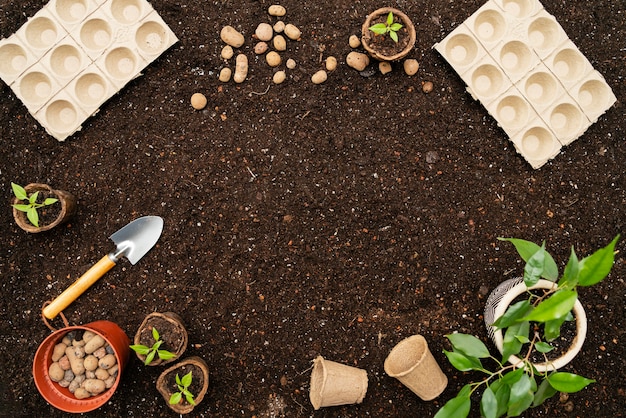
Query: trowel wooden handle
[78,287]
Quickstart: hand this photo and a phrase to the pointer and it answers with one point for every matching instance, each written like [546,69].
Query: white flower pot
[500,299]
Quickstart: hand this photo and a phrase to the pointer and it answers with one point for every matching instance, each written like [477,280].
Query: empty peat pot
[412,363]
[60,397]
[335,384]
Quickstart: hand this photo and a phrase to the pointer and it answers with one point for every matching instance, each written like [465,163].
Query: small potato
[264,32]
[231,36]
[241,68]
[279,26]
[261,48]
[76,364]
[357,60]
[90,362]
[279,77]
[94,343]
[384,67]
[81,393]
[273,59]
[107,361]
[227,52]
[55,372]
[93,386]
[225,74]
[291,63]
[102,374]
[292,32]
[198,102]
[354,41]
[276,10]
[319,77]
[58,352]
[411,66]
[331,64]
[280,44]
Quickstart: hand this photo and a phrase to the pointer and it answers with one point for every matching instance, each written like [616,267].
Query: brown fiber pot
[61,398]
[66,199]
[199,369]
[171,330]
[367,35]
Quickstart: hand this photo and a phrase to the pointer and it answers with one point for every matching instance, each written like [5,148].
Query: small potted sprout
[160,339]
[37,207]
[388,34]
[184,385]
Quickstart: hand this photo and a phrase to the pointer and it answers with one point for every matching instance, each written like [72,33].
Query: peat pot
[382,47]
[66,203]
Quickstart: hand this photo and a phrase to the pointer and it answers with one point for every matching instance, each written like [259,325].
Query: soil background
[304,220]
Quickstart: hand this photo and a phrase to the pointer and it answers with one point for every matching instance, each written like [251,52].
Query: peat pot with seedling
[530,324]
[184,385]
[160,339]
[37,207]
[388,34]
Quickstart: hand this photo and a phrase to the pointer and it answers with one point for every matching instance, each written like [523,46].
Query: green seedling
[151,352]
[31,207]
[389,27]
[510,389]
[183,389]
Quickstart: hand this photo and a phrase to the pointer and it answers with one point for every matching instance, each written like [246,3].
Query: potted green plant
[37,207]
[160,339]
[183,394]
[530,327]
[388,34]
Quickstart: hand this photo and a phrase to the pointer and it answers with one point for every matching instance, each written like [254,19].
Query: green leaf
[393,35]
[552,328]
[389,18]
[465,391]
[527,249]
[502,395]
[511,344]
[189,397]
[468,345]
[522,339]
[155,334]
[178,381]
[396,27]
[521,396]
[570,274]
[379,28]
[512,376]
[33,198]
[534,267]
[19,191]
[513,314]
[489,404]
[140,349]
[544,392]
[50,201]
[597,266]
[149,357]
[556,306]
[33,216]
[457,407]
[165,355]
[22,207]
[543,347]
[568,382]
[187,379]
[175,398]
[462,362]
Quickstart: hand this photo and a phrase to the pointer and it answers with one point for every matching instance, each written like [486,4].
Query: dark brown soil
[301,219]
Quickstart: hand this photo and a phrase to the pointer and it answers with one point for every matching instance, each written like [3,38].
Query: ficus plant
[30,203]
[389,27]
[511,389]
[151,352]
[183,390]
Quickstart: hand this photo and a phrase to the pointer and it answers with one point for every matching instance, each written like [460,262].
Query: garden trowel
[133,241]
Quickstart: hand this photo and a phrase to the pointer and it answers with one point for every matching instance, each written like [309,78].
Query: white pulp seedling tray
[73,55]
[517,60]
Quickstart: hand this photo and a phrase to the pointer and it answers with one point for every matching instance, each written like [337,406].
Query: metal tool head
[137,238]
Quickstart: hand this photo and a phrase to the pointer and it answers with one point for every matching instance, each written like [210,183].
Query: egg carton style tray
[73,55]
[517,60]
